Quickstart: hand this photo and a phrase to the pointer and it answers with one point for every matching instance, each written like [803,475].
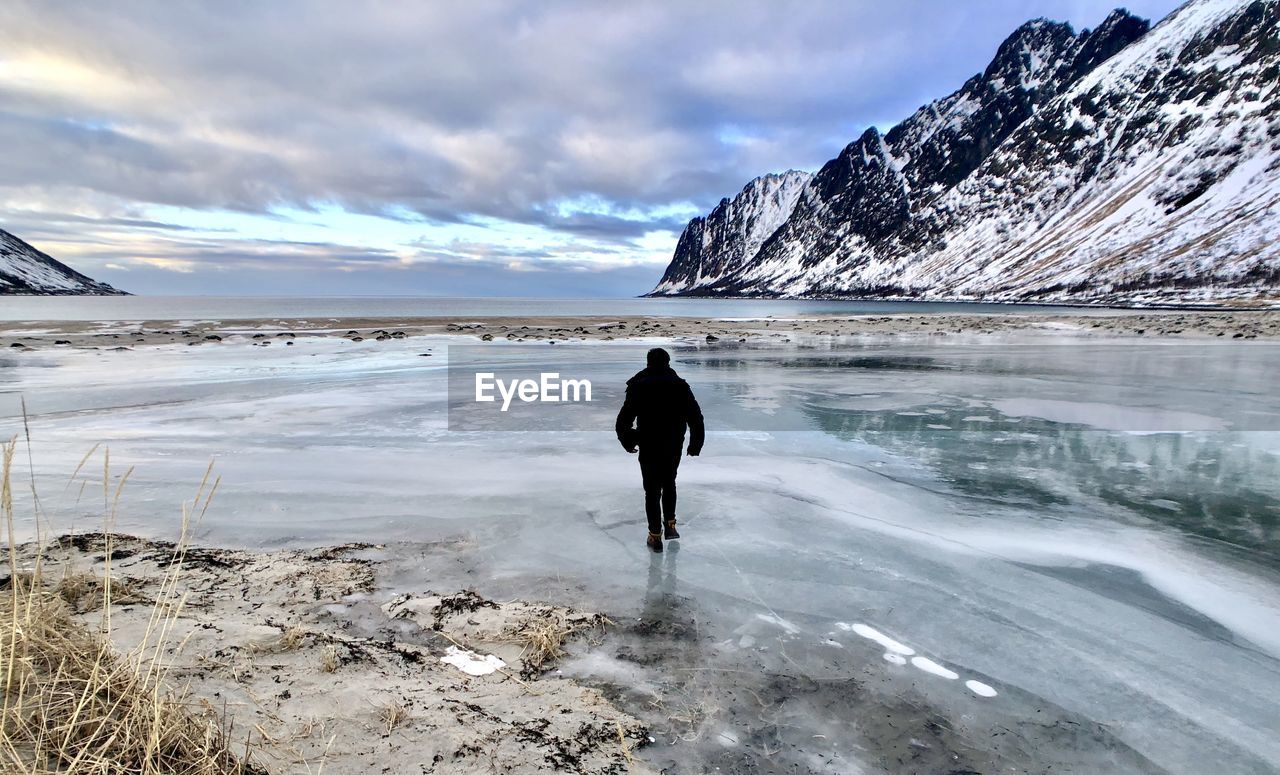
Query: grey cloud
[603,225]
[456,268]
[34,222]
[197,253]
[250,254]
[455,111]
[444,279]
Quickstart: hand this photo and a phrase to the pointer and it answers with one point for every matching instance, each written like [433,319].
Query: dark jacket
[661,405]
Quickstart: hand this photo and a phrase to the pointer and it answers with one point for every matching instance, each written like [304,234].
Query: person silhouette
[658,408]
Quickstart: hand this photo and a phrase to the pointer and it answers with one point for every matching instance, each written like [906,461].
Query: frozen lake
[1067,555]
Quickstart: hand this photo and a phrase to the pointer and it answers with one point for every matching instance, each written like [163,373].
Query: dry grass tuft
[293,638]
[85,592]
[329,659]
[542,638]
[290,640]
[392,714]
[71,703]
[690,716]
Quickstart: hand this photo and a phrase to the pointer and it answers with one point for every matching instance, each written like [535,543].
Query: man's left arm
[693,416]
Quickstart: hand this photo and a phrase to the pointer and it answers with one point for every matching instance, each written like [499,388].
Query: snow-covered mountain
[25,270]
[731,234]
[1117,165]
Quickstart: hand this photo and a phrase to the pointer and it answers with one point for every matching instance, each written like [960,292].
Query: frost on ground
[292,648]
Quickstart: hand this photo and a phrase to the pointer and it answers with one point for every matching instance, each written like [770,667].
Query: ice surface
[1056,565]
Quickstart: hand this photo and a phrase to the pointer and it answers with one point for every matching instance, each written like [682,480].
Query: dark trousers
[658,464]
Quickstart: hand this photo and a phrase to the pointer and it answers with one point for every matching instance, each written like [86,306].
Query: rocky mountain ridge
[1117,165]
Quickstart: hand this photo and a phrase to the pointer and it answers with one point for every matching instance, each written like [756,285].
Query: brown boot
[654,543]
[670,532]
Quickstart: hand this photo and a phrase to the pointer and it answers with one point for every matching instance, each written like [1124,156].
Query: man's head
[657,358]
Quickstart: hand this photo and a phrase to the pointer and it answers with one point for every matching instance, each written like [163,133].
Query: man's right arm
[626,419]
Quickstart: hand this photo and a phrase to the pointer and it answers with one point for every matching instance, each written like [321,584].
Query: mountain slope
[731,234]
[25,270]
[1108,167]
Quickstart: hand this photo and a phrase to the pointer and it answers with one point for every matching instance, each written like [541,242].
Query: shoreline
[333,658]
[1264,304]
[110,334]
[310,660]
[1242,304]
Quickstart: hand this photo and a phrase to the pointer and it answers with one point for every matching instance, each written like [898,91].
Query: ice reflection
[660,598]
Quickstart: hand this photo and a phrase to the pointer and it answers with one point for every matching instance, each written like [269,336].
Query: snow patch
[870,633]
[470,662]
[929,666]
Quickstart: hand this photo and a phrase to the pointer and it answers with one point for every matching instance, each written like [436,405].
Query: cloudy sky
[468,148]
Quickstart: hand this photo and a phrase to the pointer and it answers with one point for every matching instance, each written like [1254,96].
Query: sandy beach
[310,665]
[267,332]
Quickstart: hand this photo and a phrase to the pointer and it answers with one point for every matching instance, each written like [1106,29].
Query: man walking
[658,407]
